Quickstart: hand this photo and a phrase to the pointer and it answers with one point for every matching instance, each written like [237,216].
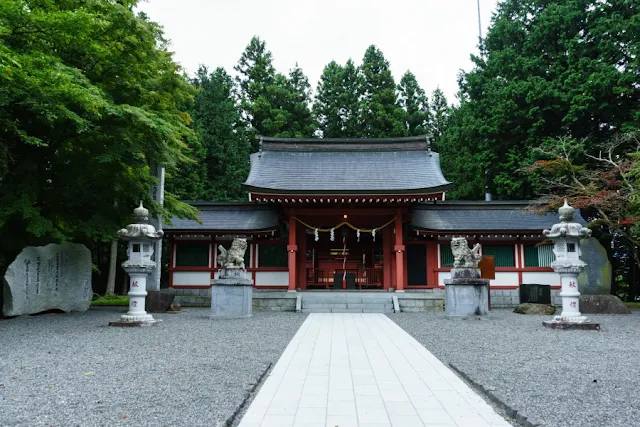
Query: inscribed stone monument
[48,277]
[595,279]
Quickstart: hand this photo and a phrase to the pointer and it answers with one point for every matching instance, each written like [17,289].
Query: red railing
[355,278]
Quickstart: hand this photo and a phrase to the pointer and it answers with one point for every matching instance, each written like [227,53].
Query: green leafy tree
[605,183]
[413,100]
[89,98]
[380,115]
[548,69]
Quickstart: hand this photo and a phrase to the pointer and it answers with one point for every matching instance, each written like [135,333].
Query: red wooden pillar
[292,248]
[432,264]
[399,249]
[387,237]
[302,259]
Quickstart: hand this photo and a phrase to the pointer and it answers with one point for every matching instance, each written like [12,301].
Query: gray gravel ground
[74,370]
[554,378]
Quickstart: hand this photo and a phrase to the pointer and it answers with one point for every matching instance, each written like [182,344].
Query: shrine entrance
[347,258]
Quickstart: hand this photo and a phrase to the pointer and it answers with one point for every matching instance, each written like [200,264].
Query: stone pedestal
[466,294]
[231,295]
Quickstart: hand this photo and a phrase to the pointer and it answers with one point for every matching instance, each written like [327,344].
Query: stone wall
[507,298]
[274,300]
[262,299]
[423,300]
[409,301]
[193,297]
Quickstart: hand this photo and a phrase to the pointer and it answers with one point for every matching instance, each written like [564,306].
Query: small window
[192,255]
[503,255]
[538,256]
[272,256]
[446,256]
[571,247]
[136,247]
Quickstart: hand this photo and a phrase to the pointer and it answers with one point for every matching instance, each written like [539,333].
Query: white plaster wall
[272,278]
[442,275]
[541,277]
[191,278]
[505,279]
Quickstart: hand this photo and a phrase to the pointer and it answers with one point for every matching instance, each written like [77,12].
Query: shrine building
[357,214]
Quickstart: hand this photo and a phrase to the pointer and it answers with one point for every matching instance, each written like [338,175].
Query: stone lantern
[141,237]
[568,265]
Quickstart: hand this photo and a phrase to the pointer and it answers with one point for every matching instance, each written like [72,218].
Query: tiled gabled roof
[483,216]
[346,166]
[231,217]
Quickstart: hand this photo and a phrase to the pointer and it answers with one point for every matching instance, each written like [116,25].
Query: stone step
[352,300]
[346,310]
[370,305]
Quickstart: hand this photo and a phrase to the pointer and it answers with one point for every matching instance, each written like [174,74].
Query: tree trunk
[113,258]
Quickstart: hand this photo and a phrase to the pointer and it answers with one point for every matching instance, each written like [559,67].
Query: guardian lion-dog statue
[463,256]
[234,257]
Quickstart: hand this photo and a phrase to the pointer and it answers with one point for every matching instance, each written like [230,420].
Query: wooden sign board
[487,268]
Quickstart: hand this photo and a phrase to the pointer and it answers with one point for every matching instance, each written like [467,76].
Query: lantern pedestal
[137,316]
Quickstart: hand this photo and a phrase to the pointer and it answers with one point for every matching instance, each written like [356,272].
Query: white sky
[432,38]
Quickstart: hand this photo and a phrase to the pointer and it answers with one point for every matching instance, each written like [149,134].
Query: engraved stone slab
[48,277]
[595,279]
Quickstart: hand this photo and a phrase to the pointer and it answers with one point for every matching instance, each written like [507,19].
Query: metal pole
[479,24]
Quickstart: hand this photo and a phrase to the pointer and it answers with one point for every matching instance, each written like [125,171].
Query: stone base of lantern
[134,321]
[575,322]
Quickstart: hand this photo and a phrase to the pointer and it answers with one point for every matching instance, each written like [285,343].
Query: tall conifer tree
[221,132]
[413,100]
[439,112]
[379,113]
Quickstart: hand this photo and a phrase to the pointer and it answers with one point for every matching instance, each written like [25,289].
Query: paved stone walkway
[363,370]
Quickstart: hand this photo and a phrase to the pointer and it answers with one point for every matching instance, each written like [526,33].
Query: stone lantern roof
[141,229]
[566,228]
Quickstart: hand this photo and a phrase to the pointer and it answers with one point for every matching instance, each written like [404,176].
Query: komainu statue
[234,257]
[463,256]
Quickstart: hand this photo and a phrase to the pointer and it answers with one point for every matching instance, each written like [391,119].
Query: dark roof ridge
[410,143]
[474,204]
[229,205]
[344,140]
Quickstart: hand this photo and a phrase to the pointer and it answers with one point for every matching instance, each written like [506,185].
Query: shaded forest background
[92,100]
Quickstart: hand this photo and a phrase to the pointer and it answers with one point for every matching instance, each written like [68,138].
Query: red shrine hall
[356,214]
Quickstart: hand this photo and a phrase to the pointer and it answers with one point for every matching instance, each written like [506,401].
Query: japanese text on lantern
[134,303]
[134,284]
[572,284]
[572,304]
